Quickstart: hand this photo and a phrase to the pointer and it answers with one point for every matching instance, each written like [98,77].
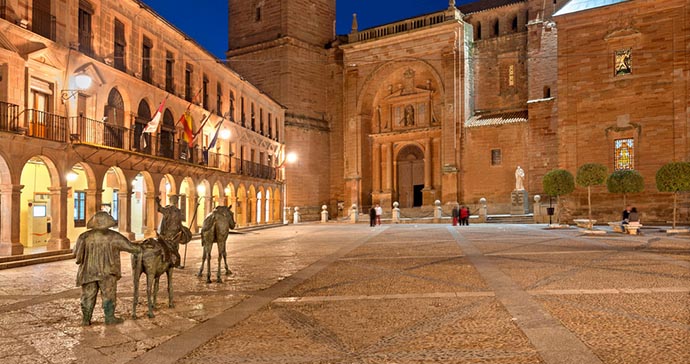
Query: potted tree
[588,175]
[674,177]
[556,183]
[625,181]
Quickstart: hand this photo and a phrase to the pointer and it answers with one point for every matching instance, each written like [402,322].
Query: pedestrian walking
[372,216]
[455,213]
[465,215]
[379,212]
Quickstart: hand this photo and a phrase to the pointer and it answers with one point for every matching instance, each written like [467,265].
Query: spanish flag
[187,123]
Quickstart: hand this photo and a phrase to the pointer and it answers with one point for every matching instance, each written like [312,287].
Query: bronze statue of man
[97,253]
[171,230]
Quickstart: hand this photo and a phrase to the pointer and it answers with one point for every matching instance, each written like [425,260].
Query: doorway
[410,176]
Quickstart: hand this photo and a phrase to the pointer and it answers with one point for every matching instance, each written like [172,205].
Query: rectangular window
[42,20]
[257,14]
[204,93]
[146,71]
[232,106]
[242,113]
[85,29]
[624,154]
[120,47]
[253,116]
[115,212]
[495,157]
[169,72]
[270,126]
[188,83]
[261,121]
[219,99]
[79,209]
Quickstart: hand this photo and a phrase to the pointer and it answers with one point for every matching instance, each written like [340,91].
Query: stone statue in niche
[408,116]
[519,179]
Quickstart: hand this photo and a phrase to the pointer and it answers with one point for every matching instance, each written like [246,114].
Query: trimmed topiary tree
[674,177]
[625,181]
[556,183]
[588,175]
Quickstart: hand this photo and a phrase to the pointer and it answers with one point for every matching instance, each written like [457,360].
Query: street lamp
[82,81]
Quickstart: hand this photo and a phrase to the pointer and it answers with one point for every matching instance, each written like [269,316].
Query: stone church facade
[445,106]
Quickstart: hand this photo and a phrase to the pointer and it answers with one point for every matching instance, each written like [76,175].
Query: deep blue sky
[207,20]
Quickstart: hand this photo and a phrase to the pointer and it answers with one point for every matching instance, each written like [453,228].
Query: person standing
[455,213]
[379,212]
[97,253]
[372,216]
[465,215]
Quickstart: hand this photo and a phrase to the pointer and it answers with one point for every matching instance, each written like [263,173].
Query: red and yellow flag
[187,124]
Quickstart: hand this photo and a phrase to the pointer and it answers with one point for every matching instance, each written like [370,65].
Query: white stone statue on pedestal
[519,179]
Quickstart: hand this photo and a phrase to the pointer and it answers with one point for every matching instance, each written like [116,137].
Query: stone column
[58,218]
[377,167]
[389,167]
[151,216]
[427,165]
[94,199]
[124,216]
[208,206]
[10,208]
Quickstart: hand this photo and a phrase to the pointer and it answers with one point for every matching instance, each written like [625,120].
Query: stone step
[510,219]
[13,258]
[32,259]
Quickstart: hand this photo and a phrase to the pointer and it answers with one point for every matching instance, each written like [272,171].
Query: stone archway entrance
[410,176]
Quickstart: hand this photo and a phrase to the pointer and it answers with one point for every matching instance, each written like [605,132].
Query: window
[115,212]
[242,114]
[188,83]
[261,121]
[79,208]
[495,157]
[42,20]
[479,30]
[547,92]
[204,93]
[232,106]
[257,14]
[496,29]
[270,126]
[85,12]
[514,24]
[253,116]
[146,71]
[120,46]
[219,99]
[624,154]
[169,72]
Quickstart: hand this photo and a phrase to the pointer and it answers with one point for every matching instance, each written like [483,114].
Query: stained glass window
[624,154]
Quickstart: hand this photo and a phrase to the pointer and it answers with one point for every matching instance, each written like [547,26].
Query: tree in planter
[674,177]
[556,183]
[625,181]
[588,175]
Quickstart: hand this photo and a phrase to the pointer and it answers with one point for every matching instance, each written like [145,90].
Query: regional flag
[215,136]
[152,126]
[188,134]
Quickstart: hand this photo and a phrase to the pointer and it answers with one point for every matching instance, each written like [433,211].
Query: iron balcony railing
[9,117]
[257,170]
[85,130]
[45,125]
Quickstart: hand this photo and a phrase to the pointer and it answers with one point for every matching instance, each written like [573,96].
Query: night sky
[207,20]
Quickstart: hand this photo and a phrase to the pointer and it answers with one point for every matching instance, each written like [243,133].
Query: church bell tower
[283,48]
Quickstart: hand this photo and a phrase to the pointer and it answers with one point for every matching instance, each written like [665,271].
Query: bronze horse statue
[156,257]
[215,230]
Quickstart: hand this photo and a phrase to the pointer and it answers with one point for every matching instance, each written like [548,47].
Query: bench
[630,228]
[585,223]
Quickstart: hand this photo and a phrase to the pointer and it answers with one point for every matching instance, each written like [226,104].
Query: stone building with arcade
[80,80]
[445,106]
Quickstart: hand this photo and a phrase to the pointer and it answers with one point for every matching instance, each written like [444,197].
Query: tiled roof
[492,119]
[482,5]
[574,6]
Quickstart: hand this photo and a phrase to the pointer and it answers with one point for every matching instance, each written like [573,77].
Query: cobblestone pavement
[338,293]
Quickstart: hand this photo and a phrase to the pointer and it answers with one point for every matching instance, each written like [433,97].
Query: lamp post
[82,81]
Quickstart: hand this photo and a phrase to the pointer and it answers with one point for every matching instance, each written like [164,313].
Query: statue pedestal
[519,203]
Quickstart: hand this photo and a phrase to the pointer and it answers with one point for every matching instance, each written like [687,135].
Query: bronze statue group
[97,253]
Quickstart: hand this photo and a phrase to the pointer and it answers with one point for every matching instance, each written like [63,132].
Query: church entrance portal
[410,176]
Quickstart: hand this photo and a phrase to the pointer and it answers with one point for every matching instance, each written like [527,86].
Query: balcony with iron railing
[420,22]
[83,130]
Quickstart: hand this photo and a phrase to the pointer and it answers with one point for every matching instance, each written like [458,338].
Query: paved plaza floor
[341,293]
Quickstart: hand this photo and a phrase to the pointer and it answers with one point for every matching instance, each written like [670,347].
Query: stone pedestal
[519,203]
[295,216]
[324,213]
[354,214]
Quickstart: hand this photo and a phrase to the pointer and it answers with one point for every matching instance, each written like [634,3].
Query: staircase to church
[510,219]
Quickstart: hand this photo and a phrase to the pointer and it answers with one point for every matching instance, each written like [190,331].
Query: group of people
[461,215]
[630,214]
[375,215]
